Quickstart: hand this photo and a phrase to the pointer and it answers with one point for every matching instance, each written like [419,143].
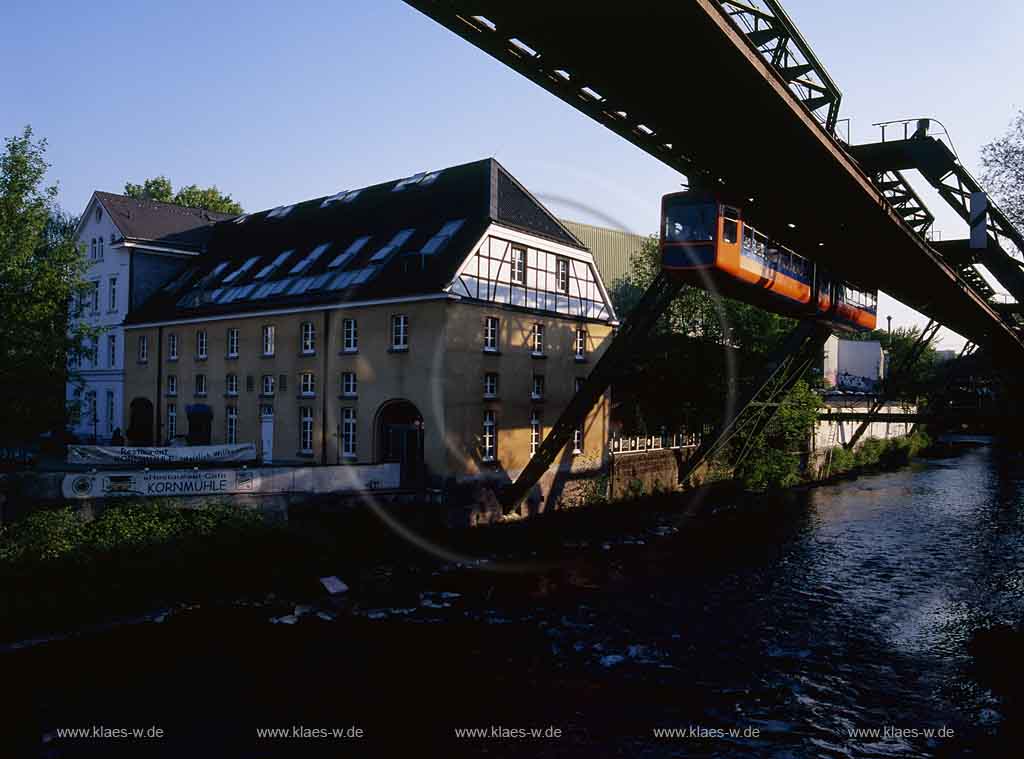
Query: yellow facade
[441,373]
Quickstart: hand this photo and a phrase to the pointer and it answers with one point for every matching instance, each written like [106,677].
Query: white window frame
[95,296]
[492,328]
[349,385]
[307,385]
[307,343]
[399,332]
[517,265]
[306,429]
[491,385]
[99,248]
[349,336]
[231,425]
[535,432]
[110,412]
[489,441]
[233,339]
[562,274]
[172,346]
[172,421]
[267,385]
[577,440]
[581,343]
[537,339]
[143,349]
[231,384]
[172,384]
[202,344]
[197,383]
[348,432]
[269,334]
[111,351]
[112,294]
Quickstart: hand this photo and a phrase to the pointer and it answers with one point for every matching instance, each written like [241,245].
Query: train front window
[691,223]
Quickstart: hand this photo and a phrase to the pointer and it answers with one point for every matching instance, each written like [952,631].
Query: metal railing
[661,441]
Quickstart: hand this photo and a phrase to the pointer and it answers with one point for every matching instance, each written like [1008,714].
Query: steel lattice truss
[905,200]
[770,29]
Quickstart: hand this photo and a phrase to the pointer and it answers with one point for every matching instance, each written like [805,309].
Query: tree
[696,346]
[773,459]
[41,274]
[160,189]
[1003,162]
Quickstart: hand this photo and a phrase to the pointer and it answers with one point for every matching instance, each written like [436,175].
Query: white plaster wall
[98,375]
[830,433]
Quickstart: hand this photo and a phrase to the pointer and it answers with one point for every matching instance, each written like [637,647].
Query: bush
[59,568]
[887,454]
[130,528]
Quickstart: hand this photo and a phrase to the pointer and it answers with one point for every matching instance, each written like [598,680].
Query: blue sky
[281,102]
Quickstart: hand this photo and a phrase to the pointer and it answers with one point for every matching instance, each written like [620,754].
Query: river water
[793,621]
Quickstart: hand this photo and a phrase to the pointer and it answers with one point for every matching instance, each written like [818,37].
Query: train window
[688,222]
[730,230]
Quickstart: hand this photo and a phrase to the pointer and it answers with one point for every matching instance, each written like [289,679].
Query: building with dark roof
[133,246]
[443,318]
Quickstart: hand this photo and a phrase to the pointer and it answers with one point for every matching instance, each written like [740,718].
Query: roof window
[394,246]
[344,257]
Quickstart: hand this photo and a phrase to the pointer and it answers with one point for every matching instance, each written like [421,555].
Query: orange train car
[707,244]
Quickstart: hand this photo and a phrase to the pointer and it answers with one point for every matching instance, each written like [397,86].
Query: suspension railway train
[706,243]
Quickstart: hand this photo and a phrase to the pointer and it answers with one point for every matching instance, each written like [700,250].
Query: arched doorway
[399,438]
[140,422]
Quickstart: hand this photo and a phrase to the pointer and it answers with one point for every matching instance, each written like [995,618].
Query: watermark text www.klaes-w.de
[105,732]
[892,731]
[700,732]
[501,732]
[305,731]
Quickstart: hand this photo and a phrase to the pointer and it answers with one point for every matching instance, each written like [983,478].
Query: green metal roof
[612,248]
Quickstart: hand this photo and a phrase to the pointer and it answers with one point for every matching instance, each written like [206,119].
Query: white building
[133,247]
[853,365]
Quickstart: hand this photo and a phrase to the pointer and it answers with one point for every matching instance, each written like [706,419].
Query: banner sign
[157,483]
[195,454]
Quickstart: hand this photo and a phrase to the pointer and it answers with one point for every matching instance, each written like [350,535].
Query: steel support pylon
[784,368]
[928,334]
[613,363]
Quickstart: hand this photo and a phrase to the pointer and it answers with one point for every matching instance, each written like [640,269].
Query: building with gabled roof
[442,320]
[133,246]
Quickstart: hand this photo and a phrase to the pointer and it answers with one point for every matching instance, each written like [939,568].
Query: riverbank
[802,615]
[872,455]
[60,572]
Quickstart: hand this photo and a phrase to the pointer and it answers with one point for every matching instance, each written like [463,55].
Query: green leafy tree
[157,188]
[1003,176]
[41,275]
[192,196]
[774,458]
[700,342]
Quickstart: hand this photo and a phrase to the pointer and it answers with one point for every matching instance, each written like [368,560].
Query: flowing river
[833,622]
